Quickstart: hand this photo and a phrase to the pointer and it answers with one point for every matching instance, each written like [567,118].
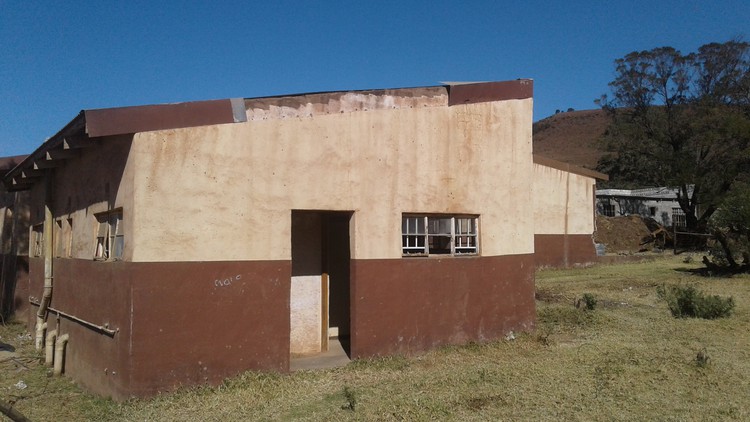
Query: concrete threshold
[335,356]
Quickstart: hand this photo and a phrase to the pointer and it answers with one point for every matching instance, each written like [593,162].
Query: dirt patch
[628,234]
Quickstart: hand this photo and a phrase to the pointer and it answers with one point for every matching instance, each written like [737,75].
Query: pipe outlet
[60,353]
[50,347]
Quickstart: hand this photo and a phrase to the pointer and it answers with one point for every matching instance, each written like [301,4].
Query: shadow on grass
[716,270]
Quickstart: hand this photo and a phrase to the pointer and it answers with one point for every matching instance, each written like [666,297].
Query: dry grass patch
[628,359]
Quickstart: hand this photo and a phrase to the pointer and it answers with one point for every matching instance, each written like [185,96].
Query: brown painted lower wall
[179,323]
[413,304]
[188,323]
[560,250]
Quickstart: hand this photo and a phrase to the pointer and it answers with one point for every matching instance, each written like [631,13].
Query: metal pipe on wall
[47,252]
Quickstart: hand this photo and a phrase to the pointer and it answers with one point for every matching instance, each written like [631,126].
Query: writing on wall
[225,282]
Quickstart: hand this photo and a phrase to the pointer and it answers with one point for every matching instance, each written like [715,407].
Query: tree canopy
[681,120]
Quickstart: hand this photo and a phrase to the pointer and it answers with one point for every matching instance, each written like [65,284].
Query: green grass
[628,359]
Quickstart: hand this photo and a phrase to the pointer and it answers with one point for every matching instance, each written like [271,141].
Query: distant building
[657,203]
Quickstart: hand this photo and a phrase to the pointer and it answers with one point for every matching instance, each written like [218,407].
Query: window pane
[101,248]
[440,245]
[69,239]
[412,225]
[465,226]
[37,239]
[117,247]
[412,244]
[439,225]
[103,226]
[58,237]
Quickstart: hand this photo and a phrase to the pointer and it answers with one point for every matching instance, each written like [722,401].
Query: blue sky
[57,58]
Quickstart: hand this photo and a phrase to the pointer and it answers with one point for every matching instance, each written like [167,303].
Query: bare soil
[628,234]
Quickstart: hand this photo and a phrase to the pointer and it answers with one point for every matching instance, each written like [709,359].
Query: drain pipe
[60,353]
[47,251]
[50,346]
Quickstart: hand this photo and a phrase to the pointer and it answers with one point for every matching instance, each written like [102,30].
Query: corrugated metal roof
[648,193]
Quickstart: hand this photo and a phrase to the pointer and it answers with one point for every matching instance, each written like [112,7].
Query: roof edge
[481,92]
[559,165]
[144,118]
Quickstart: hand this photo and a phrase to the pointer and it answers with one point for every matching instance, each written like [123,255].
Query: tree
[731,227]
[681,121]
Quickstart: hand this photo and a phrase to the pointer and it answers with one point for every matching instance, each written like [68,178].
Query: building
[181,244]
[564,213]
[658,203]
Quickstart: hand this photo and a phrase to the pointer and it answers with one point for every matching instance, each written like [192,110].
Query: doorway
[320,286]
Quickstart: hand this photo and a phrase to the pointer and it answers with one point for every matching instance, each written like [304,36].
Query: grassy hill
[572,137]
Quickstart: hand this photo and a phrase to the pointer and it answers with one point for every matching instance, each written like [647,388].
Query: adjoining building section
[181,244]
[14,248]
[564,214]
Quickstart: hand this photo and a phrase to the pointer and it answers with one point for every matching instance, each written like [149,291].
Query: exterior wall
[178,323]
[564,217]
[99,180]
[410,305]
[243,179]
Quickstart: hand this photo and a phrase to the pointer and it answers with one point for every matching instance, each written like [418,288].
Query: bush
[587,302]
[689,302]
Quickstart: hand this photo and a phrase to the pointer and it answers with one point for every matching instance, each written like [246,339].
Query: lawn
[628,359]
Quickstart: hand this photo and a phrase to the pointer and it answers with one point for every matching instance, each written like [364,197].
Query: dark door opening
[320,285]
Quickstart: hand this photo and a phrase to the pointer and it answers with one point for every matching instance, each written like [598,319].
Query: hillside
[571,137]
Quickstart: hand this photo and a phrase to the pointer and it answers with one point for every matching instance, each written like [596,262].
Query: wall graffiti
[225,282]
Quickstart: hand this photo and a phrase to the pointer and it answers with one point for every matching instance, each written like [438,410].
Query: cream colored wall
[563,202]
[226,192]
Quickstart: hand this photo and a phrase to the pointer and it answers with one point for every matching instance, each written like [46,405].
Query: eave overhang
[90,127]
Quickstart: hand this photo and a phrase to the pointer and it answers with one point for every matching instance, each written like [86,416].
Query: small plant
[587,302]
[689,302]
[351,399]
[701,359]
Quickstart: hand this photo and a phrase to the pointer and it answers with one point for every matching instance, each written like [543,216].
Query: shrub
[351,399]
[689,302]
[590,301]
[701,359]
[587,302]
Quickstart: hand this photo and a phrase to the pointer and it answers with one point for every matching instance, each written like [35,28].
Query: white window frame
[679,219]
[608,208]
[422,235]
[110,238]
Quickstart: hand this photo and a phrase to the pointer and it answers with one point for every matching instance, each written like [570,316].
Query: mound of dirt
[628,234]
